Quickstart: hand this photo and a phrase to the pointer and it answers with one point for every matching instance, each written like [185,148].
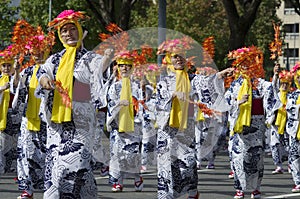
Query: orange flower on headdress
[286,76]
[175,46]
[249,57]
[40,42]
[65,16]
[6,55]
[21,32]
[296,67]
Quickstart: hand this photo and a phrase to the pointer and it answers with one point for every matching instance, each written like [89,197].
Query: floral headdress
[286,76]
[295,70]
[6,56]
[65,17]
[21,32]
[124,57]
[40,42]
[252,58]
[175,46]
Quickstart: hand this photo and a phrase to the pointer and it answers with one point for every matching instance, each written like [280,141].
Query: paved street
[213,184]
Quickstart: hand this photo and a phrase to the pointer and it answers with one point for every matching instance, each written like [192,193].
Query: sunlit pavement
[213,184]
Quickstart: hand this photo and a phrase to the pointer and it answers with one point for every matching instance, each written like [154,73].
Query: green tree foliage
[101,12]
[8,17]
[200,19]
[36,12]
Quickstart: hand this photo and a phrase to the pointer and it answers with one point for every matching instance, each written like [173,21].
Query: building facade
[290,30]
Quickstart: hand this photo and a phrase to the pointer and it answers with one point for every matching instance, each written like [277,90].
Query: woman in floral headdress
[125,133]
[70,82]
[32,137]
[276,120]
[292,128]
[247,97]
[176,161]
[9,119]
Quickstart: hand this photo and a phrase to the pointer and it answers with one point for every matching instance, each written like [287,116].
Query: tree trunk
[240,25]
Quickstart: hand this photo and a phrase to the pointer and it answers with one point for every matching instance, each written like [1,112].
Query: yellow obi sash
[126,115]
[244,118]
[33,104]
[179,110]
[4,103]
[281,115]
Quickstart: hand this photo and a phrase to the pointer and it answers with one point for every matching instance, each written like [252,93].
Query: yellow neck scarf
[4,103]
[244,118]
[179,110]
[33,104]
[281,115]
[126,116]
[298,132]
[61,113]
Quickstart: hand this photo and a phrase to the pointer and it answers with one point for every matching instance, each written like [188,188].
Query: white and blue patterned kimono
[125,159]
[247,148]
[292,126]
[31,144]
[69,158]
[149,132]
[176,158]
[209,90]
[9,136]
[278,143]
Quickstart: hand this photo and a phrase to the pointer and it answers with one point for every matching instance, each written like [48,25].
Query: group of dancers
[55,111]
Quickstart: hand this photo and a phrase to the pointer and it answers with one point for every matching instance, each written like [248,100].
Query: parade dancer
[247,95]
[125,133]
[9,119]
[292,128]
[32,136]
[276,120]
[70,85]
[209,90]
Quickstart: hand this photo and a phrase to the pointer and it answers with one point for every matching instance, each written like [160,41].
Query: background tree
[200,19]
[102,12]
[8,18]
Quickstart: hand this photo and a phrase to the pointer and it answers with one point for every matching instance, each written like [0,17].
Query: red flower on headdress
[286,76]
[252,58]
[65,16]
[296,67]
[175,45]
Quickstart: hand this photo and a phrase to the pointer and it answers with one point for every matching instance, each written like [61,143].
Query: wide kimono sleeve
[113,103]
[231,96]
[271,100]
[292,113]
[210,90]
[21,89]
[165,90]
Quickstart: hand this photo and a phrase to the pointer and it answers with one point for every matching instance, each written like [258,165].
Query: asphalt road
[213,184]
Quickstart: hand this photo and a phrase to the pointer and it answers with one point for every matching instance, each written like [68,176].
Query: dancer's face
[69,34]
